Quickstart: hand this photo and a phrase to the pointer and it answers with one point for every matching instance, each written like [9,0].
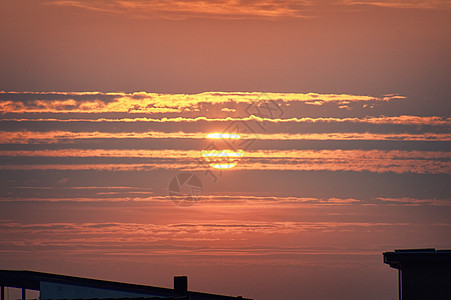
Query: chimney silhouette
[181,284]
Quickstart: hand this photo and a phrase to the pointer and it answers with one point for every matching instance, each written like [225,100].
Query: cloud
[128,194]
[142,102]
[231,9]
[136,233]
[28,137]
[106,167]
[351,136]
[277,154]
[226,203]
[200,240]
[177,9]
[106,153]
[417,4]
[377,161]
[397,120]
[415,202]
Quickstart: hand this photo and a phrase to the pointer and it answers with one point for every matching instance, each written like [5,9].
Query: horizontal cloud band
[377,161]
[142,102]
[399,120]
[28,137]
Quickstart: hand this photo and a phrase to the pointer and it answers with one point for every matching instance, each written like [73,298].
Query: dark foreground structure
[53,286]
[423,273]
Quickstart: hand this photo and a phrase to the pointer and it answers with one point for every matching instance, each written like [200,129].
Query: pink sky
[343,112]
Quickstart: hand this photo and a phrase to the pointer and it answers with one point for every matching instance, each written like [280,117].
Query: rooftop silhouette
[54,286]
[422,273]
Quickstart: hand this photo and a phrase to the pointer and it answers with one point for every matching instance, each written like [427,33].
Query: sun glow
[223,136]
[225,156]
[222,159]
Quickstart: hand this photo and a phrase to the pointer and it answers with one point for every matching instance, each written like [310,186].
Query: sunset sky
[343,112]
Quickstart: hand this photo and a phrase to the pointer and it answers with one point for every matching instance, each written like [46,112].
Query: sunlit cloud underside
[378,161]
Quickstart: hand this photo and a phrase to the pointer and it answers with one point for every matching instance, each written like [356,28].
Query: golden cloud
[399,120]
[29,137]
[143,102]
[176,9]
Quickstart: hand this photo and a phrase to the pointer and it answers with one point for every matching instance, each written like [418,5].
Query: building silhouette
[422,273]
[54,286]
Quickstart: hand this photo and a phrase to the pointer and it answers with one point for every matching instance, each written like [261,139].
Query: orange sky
[343,112]
[334,46]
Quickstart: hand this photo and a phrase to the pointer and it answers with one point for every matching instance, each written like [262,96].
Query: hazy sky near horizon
[342,106]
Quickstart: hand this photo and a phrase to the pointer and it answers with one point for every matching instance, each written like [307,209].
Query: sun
[224,157]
